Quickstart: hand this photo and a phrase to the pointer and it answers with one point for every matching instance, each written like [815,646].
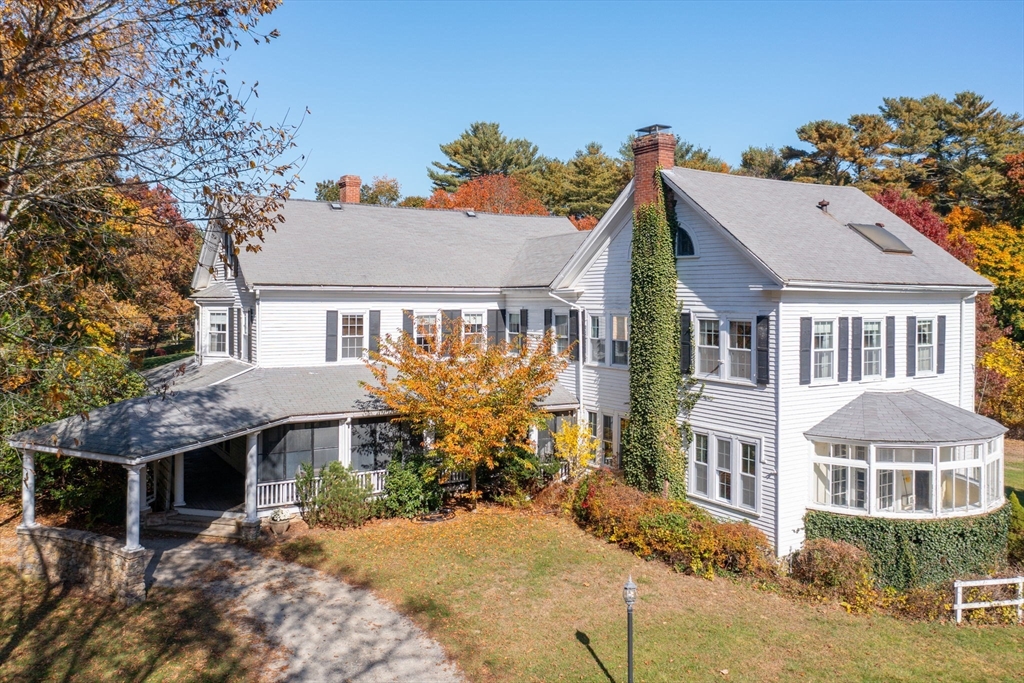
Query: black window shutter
[408,325]
[332,336]
[574,334]
[805,350]
[890,346]
[844,349]
[685,344]
[548,319]
[911,345]
[856,360]
[492,327]
[447,326]
[763,335]
[501,325]
[374,331]
[231,332]
[584,341]
[250,326]
[940,362]
[524,322]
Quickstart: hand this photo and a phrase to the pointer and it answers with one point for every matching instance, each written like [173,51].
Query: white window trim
[607,339]
[936,468]
[834,378]
[366,336]
[483,326]
[934,347]
[206,337]
[617,418]
[881,358]
[509,334]
[436,314]
[609,352]
[724,337]
[711,498]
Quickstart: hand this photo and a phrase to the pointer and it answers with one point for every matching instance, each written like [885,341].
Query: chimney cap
[653,129]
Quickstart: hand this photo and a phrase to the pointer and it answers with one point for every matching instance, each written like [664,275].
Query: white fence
[277,493]
[959,606]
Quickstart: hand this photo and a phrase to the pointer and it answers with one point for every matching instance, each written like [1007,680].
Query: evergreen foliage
[1015,546]
[913,552]
[652,443]
[337,501]
[481,150]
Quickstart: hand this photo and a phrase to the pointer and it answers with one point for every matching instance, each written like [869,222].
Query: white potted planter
[280,521]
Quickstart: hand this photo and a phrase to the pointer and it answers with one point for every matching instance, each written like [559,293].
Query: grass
[1014,464]
[59,634]
[514,596]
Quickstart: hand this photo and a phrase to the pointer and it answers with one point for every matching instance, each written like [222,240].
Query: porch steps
[194,525]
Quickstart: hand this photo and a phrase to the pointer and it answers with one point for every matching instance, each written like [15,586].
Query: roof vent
[337,207]
[471,213]
[823,205]
[652,130]
[882,238]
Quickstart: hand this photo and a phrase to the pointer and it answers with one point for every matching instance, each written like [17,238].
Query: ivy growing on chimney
[653,457]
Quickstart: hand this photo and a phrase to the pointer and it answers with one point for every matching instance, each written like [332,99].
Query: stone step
[196,525]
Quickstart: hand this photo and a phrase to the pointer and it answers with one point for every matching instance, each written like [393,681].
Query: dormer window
[684,243]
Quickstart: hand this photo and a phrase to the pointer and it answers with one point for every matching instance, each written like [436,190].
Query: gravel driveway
[330,630]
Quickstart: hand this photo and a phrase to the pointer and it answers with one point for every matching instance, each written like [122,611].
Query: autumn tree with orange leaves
[491,194]
[477,400]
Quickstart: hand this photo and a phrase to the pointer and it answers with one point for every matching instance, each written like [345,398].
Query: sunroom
[906,455]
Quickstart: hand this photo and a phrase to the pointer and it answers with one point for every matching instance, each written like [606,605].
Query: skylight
[336,206]
[882,238]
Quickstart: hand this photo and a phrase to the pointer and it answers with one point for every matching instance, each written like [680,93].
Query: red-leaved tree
[920,214]
[490,193]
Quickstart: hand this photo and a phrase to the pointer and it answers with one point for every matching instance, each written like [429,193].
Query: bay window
[908,480]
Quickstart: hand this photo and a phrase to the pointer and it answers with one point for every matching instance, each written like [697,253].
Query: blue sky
[386,83]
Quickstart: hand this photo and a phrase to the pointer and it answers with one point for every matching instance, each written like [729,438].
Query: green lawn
[53,635]
[1014,475]
[521,597]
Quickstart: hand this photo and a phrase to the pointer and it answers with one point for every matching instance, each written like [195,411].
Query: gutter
[579,349]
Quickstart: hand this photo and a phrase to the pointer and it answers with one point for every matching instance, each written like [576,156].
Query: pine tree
[482,149]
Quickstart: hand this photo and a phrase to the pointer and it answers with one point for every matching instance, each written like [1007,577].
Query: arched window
[684,244]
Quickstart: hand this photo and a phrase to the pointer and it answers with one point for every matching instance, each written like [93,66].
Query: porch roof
[904,417]
[208,408]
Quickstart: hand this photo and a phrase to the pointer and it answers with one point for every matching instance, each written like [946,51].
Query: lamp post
[629,596]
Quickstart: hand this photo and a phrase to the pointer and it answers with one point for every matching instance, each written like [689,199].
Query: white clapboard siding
[803,406]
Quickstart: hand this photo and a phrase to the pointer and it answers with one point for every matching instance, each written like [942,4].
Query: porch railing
[277,493]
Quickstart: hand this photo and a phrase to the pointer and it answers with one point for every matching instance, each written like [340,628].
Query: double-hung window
[824,349]
[561,322]
[872,367]
[925,346]
[513,326]
[426,331]
[596,335]
[725,469]
[608,441]
[740,349]
[620,340]
[351,335]
[708,348]
[218,331]
[473,328]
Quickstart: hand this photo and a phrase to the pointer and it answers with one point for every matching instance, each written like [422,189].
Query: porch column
[133,512]
[28,488]
[251,461]
[345,442]
[179,480]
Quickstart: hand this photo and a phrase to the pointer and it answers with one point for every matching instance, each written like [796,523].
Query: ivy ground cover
[515,596]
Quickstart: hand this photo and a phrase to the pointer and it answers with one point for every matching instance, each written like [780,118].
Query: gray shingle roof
[904,417]
[361,245]
[781,224]
[218,290]
[182,418]
[187,373]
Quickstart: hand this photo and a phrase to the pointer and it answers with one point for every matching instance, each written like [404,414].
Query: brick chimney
[348,186]
[651,149]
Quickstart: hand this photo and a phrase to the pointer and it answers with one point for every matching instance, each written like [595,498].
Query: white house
[835,344]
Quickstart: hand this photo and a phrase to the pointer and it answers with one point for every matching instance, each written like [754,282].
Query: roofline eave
[824,286]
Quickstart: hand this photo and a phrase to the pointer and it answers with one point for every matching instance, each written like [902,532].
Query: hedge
[907,553]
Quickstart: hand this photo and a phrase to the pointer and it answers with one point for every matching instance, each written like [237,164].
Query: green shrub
[832,567]
[674,531]
[338,501]
[906,553]
[518,475]
[1015,539]
[410,489]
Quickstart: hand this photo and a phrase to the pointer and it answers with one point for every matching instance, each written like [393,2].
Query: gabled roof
[780,225]
[212,403]
[359,245]
[904,417]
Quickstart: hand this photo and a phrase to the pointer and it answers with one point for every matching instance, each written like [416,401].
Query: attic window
[882,238]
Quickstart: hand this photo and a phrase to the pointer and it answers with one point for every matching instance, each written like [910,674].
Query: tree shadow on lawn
[53,632]
[585,641]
